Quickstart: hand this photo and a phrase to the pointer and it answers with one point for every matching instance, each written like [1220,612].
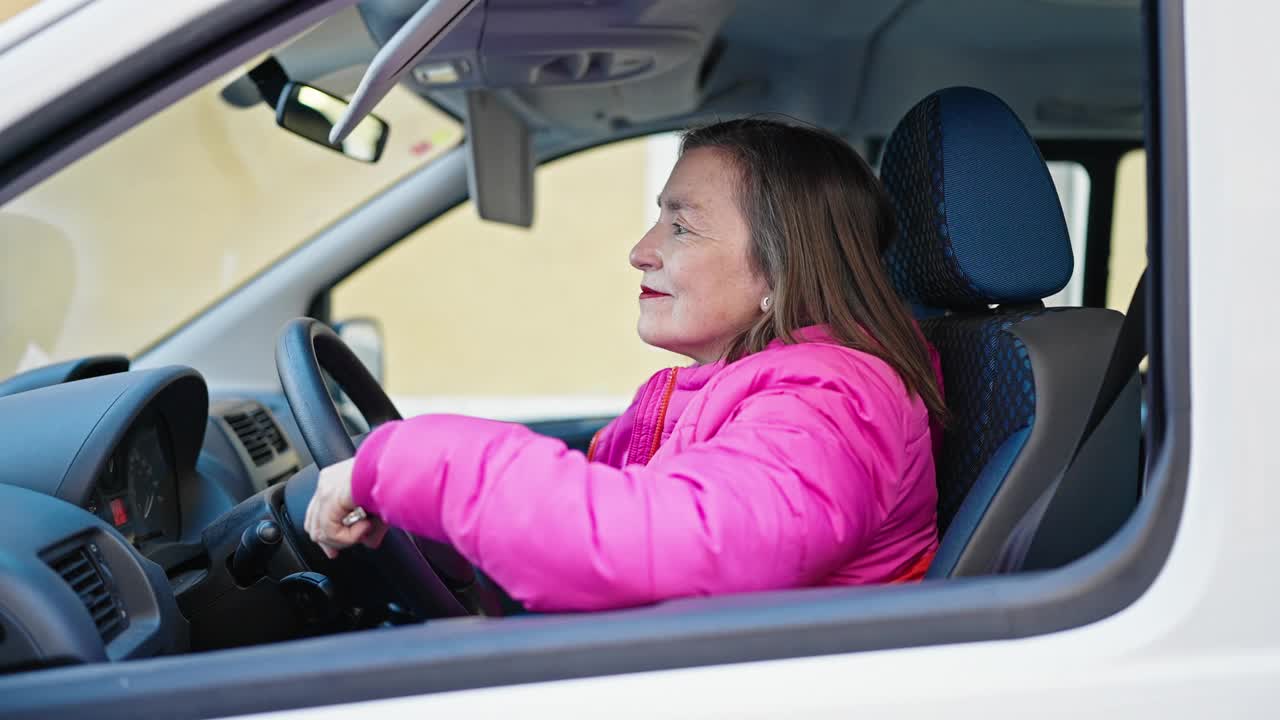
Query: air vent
[83,570]
[270,431]
[258,433]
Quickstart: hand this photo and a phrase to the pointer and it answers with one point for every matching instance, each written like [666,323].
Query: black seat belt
[1126,355]
[1130,348]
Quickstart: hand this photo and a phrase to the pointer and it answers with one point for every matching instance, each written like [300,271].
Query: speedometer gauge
[151,485]
[145,481]
[113,477]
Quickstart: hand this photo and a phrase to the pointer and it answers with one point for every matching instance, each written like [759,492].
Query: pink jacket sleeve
[784,492]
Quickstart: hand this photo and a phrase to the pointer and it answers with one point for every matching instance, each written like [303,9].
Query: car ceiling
[1069,68]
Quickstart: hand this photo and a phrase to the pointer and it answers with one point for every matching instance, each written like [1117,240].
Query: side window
[1106,187]
[1128,230]
[1073,185]
[517,324]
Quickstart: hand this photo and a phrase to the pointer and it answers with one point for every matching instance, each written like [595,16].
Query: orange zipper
[662,412]
[667,391]
[595,440]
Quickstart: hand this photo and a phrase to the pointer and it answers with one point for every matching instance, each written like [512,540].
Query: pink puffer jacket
[800,465]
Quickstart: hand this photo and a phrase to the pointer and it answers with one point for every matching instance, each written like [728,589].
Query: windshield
[132,240]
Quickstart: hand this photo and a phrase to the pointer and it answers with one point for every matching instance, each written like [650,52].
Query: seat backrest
[982,240]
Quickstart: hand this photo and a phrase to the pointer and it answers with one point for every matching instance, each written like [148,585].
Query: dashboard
[129,495]
[137,491]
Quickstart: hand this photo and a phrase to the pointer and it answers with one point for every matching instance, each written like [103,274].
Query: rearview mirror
[311,112]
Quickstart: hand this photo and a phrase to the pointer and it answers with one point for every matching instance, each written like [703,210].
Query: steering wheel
[412,566]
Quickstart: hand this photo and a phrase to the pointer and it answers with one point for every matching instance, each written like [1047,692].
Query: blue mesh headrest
[979,221]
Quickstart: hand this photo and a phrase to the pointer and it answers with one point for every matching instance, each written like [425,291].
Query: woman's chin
[649,338]
[654,337]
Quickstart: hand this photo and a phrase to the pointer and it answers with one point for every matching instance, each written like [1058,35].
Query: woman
[796,450]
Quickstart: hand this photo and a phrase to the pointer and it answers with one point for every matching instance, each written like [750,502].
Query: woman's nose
[644,256]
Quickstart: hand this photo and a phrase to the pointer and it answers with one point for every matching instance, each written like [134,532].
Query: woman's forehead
[701,182]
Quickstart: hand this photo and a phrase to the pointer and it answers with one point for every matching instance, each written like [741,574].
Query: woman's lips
[647,293]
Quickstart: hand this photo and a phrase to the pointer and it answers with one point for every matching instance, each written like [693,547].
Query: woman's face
[699,288]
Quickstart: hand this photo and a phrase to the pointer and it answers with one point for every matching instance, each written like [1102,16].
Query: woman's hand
[331,503]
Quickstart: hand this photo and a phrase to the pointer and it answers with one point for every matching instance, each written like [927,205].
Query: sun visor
[500,174]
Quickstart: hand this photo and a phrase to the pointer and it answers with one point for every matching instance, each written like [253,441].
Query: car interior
[157,509]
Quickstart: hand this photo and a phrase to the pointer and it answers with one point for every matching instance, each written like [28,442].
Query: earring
[766,303]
